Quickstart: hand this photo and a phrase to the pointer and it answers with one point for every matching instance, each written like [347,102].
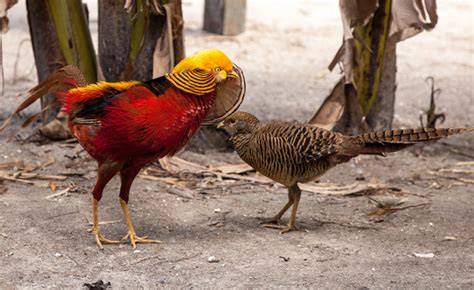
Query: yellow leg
[294,194]
[134,239]
[271,222]
[99,239]
[292,222]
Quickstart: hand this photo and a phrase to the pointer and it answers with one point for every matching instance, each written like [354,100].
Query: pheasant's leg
[105,172]
[127,175]
[292,222]
[99,239]
[271,222]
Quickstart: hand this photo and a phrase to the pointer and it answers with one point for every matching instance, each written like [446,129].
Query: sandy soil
[284,53]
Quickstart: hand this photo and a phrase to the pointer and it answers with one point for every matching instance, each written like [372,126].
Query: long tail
[61,80]
[388,141]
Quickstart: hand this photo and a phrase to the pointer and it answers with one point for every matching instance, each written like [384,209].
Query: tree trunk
[114,39]
[127,40]
[366,93]
[225,17]
[177,24]
[73,35]
[380,116]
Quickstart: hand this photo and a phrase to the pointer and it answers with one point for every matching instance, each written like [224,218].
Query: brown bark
[380,116]
[225,17]
[177,24]
[114,38]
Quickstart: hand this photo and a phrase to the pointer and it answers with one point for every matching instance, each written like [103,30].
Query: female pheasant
[125,125]
[290,153]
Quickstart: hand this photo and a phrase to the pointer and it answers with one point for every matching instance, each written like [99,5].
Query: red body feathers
[134,124]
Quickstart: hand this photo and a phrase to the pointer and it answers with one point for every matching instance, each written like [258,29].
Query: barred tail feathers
[394,140]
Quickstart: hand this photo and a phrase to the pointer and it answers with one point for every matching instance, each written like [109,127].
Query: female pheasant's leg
[296,200]
[273,221]
[105,172]
[127,175]
[294,194]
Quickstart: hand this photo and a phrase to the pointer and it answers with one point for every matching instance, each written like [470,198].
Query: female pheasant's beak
[221,125]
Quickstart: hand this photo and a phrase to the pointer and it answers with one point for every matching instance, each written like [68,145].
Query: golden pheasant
[125,125]
[292,153]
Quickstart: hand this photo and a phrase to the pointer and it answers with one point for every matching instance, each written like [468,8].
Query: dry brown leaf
[53,186]
[332,108]
[410,17]
[176,164]
[231,168]
[355,12]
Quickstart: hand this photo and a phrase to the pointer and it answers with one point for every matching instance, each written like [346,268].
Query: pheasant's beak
[233,75]
[221,125]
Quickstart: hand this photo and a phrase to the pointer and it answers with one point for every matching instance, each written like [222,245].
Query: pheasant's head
[211,62]
[239,123]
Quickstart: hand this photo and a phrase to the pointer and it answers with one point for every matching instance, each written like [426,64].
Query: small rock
[217,210]
[212,259]
[57,255]
[427,255]
[137,251]
[449,238]
[359,174]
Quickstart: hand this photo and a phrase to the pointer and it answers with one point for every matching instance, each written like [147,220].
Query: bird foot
[284,228]
[99,239]
[269,221]
[134,239]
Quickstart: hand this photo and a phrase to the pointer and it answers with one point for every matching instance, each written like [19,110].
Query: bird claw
[134,239]
[284,228]
[269,221]
[99,239]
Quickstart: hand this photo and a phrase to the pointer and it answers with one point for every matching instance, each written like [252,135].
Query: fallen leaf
[53,186]
[231,168]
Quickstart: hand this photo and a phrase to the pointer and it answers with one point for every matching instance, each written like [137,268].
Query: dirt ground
[44,240]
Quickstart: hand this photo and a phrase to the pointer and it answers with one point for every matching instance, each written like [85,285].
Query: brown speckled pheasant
[290,153]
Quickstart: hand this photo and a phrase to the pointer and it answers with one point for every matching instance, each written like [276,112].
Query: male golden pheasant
[125,125]
[290,153]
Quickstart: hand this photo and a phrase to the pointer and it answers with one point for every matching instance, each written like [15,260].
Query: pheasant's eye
[218,69]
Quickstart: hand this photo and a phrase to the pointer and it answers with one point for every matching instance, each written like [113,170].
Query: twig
[16,180]
[456,151]
[57,194]
[346,225]
[63,214]
[181,192]
[177,260]
[28,175]
[465,180]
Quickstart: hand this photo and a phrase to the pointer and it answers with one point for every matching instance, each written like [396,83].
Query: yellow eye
[218,69]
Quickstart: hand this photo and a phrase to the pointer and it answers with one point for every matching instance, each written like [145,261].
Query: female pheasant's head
[239,123]
[210,62]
